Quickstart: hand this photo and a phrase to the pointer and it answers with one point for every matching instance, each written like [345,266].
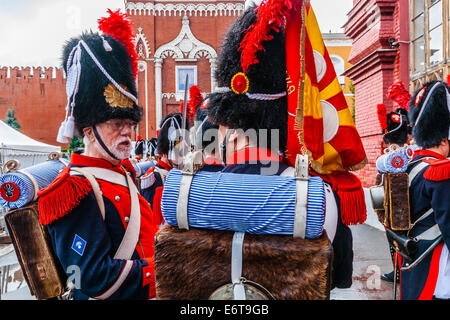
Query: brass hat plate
[117,99]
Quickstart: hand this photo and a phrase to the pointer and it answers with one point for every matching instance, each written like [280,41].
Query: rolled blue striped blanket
[142,167]
[253,204]
[17,190]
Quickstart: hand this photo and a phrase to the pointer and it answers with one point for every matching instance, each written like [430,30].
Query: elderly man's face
[116,134]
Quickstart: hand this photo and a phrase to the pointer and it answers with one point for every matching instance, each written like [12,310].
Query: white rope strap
[255,96]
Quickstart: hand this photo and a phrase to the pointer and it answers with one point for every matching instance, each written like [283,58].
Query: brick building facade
[385,51]
[174,38]
[376,66]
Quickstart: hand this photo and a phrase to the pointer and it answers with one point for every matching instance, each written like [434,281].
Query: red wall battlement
[38,95]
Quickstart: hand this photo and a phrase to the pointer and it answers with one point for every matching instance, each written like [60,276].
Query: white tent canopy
[16,145]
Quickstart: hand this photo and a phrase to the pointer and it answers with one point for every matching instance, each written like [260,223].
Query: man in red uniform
[101,229]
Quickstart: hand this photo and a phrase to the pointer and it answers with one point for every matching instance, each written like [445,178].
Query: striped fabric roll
[17,190]
[253,204]
[142,167]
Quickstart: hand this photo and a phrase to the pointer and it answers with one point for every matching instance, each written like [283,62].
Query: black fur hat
[398,127]
[429,114]
[97,99]
[234,108]
[164,143]
[139,148]
[152,147]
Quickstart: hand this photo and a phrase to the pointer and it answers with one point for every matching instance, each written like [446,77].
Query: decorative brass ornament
[117,99]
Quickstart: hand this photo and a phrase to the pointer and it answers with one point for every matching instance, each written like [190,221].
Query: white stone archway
[144,52]
[185,47]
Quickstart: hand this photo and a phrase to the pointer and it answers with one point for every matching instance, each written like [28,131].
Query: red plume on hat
[272,15]
[399,94]
[448,80]
[381,112]
[195,98]
[118,26]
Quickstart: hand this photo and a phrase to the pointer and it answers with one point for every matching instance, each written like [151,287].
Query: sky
[33,32]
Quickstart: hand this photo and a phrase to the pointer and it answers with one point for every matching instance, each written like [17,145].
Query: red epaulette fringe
[61,197]
[438,171]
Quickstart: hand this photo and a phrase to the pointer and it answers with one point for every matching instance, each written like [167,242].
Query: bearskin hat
[139,148]
[152,147]
[101,70]
[395,126]
[233,106]
[167,138]
[429,112]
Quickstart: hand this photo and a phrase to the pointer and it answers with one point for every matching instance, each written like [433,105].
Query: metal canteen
[225,292]
[377,197]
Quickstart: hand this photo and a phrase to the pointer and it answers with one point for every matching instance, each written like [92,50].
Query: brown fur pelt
[191,265]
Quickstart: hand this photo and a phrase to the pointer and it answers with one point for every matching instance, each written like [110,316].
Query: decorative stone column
[143,68]
[158,91]
[212,62]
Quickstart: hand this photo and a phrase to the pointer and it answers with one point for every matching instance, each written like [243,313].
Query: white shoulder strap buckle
[192,163]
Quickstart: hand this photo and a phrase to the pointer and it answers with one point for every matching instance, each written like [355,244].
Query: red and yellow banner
[320,123]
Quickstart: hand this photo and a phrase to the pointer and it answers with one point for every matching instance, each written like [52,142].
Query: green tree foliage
[76,142]
[11,119]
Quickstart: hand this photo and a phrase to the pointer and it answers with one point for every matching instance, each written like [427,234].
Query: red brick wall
[39,102]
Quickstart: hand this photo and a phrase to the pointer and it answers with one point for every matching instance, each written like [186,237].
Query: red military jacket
[81,238]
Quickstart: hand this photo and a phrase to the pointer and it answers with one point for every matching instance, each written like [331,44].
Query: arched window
[339,66]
